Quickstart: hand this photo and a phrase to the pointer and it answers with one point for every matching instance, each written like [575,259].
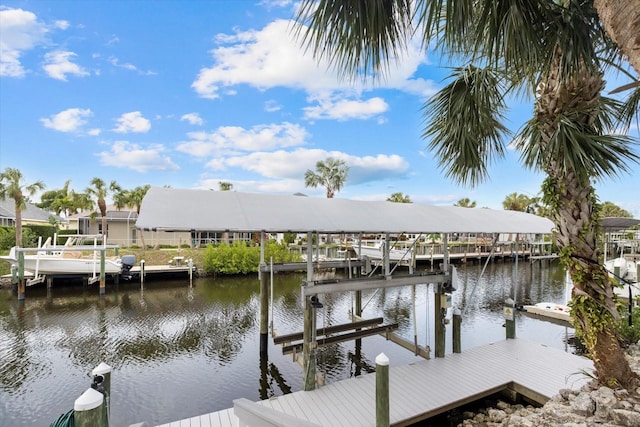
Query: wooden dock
[426,388]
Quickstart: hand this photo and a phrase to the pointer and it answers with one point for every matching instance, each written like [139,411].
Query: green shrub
[8,237]
[243,257]
[630,334]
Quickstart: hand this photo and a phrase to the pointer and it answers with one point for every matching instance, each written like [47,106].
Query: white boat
[57,260]
[375,251]
[550,310]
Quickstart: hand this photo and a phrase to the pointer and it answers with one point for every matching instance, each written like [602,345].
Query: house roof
[182,210]
[31,213]
[113,213]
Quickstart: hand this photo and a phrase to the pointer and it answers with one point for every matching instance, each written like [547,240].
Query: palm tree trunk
[593,311]
[18,214]
[102,206]
[621,20]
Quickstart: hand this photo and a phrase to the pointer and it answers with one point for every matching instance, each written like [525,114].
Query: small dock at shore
[423,389]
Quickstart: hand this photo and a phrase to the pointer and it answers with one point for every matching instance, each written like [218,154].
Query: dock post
[264,311]
[510,318]
[457,322]
[88,410]
[308,332]
[382,390]
[21,280]
[102,378]
[141,274]
[103,280]
[264,299]
[439,327]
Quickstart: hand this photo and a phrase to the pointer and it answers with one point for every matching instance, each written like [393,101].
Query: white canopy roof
[184,210]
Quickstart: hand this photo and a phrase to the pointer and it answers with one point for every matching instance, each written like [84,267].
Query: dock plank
[426,388]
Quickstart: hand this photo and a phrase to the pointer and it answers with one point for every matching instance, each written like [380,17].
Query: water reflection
[179,351]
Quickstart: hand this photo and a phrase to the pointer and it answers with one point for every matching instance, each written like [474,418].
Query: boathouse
[169,209]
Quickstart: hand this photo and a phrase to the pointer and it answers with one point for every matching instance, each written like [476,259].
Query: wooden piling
[457,323]
[439,327]
[22,286]
[103,370]
[264,312]
[88,409]
[103,276]
[142,274]
[510,318]
[382,391]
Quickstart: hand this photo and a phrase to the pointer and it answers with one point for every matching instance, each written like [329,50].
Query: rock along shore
[589,406]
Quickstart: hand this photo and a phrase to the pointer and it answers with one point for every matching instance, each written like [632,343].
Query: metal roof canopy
[618,223]
[173,209]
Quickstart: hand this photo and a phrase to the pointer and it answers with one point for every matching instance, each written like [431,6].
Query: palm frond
[589,150]
[463,123]
[357,37]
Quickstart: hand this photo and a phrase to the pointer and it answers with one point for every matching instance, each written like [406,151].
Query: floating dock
[423,389]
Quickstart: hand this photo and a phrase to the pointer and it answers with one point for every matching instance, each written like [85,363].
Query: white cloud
[192,118]
[128,66]
[126,155]
[61,24]
[94,132]
[21,32]
[132,122]
[58,64]
[69,120]
[345,109]
[271,106]
[293,164]
[233,139]
[271,57]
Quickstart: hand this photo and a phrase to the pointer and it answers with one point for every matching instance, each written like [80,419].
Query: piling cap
[382,360]
[89,400]
[101,369]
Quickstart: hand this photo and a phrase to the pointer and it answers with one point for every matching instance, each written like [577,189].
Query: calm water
[179,351]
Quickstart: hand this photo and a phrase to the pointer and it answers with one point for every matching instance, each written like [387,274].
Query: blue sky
[191,93]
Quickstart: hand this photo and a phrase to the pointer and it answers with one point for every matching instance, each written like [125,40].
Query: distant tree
[64,201]
[137,195]
[465,203]
[519,202]
[11,186]
[99,191]
[610,209]
[330,174]
[120,196]
[399,198]
[225,186]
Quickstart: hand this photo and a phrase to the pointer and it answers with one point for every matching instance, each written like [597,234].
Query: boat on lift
[51,259]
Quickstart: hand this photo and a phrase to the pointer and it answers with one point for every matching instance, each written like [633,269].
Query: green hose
[64,420]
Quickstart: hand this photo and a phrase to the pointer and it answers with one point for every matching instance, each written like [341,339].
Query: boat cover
[187,209]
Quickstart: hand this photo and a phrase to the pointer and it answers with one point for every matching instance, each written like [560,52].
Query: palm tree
[225,186]
[399,198]
[11,186]
[99,191]
[64,201]
[610,209]
[330,174]
[518,202]
[555,52]
[120,196]
[135,200]
[465,203]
